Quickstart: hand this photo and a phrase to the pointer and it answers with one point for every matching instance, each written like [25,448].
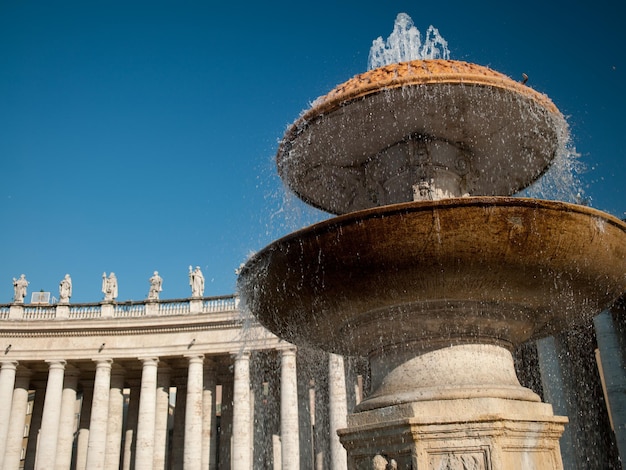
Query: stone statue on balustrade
[109,286]
[196,281]
[156,286]
[65,289]
[19,289]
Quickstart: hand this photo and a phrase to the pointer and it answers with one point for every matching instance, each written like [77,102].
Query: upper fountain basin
[466,128]
[464,270]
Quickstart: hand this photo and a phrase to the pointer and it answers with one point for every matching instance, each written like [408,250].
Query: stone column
[178,435]
[46,448]
[99,415]
[130,433]
[161,418]
[144,453]
[17,421]
[289,430]
[7,382]
[82,440]
[241,455]
[338,410]
[65,441]
[35,423]
[226,421]
[115,419]
[209,436]
[193,415]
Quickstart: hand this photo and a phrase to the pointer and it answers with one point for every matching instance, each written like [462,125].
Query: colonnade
[122,413]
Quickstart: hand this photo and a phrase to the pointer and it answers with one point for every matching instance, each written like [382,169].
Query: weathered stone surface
[426,275]
[372,139]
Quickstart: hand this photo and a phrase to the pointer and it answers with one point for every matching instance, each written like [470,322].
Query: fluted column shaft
[47,446]
[7,382]
[144,453]
[115,419]
[65,440]
[19,405]
[289,429]
[193,415]
[161,418]
[99,415]
[241,457]
[338,410]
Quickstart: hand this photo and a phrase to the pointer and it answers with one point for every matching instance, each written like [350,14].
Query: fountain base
[458,406]
[462,371]
[466,433]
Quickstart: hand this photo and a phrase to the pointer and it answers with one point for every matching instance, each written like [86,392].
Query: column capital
[195,358]
[56,363]
[103,361]
[240,354]
[149,360]
[8,364]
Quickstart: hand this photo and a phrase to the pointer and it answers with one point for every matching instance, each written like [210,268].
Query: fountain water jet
[432,270]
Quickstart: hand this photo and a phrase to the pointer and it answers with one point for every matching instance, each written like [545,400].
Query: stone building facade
[168,384]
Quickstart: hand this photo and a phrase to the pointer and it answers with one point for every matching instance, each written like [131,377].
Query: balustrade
[132,309]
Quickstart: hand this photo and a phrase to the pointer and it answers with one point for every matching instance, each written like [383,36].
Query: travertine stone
[209,433]
[47,445]
[338,410]
[193,414]
[480,433]
[7,382]
[115,419]
[99,415]
[144,453]
[241,455]
[161,418]
[19,405]
[289,427]
[65,440]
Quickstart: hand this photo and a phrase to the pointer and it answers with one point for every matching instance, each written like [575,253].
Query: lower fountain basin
[425,275]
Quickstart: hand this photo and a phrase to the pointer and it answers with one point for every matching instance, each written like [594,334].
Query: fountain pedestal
[455,407]
[466,433]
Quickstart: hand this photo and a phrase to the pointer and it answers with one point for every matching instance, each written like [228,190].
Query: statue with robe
[65,289]
[109,286]
[196,281]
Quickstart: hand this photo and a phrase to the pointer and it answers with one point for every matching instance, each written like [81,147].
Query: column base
[472,433]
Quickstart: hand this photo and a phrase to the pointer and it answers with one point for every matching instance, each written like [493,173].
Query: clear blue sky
[140,135]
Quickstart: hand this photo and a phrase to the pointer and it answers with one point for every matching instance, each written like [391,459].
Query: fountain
[431,269]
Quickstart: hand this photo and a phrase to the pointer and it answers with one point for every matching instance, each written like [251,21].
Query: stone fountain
[431,269]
